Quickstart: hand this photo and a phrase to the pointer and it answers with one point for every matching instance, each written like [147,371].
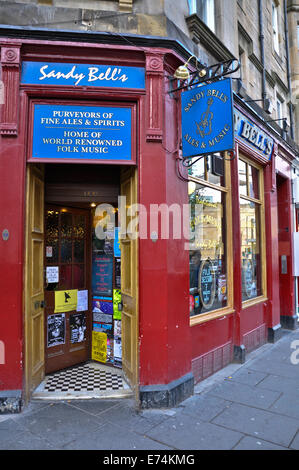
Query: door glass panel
[65,276]
[66,224]
[79,226]
[52,224]
[78,276]
[51,251]
[79,251]
[66,251]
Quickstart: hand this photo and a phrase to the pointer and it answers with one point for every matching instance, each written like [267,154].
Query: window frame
[261,203]
[228,309]
[275,26]
[209,7]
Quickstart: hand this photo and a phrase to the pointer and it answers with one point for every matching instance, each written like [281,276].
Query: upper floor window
[279,109]
[275,26]
[205,9]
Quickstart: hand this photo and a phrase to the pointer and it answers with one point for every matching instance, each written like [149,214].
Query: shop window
[252,230]
[209,248]
[205,9]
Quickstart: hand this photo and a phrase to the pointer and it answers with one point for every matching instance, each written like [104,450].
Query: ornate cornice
[201,33]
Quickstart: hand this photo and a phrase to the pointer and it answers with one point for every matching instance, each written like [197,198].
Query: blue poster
[207,119]
[102,275]
[116,247]
[55,73]
[82,132]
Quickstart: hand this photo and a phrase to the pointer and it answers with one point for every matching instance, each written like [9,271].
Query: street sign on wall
[207,119]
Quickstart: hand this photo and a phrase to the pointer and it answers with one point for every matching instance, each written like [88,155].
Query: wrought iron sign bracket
[205,75]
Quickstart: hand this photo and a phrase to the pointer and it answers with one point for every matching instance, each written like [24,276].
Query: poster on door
[55,330]
[77,327]
[65,300]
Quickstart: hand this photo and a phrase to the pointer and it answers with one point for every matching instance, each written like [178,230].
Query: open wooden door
[34,282]
[129,282]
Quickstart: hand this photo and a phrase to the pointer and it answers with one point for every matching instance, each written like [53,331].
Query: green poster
[116,304]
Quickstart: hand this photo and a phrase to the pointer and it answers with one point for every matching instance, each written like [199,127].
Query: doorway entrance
[81,289]
[67,265]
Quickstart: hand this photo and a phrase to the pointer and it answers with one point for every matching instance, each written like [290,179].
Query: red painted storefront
[171,353]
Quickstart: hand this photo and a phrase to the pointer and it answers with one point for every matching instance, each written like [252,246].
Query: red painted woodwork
[10,60]
[167,342]
[286,283]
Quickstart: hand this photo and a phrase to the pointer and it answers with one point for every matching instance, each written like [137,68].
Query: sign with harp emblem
[207,119]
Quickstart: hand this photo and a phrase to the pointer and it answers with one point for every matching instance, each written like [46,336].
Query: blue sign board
[253,136]
[207,119]
[82,132]
[52,73]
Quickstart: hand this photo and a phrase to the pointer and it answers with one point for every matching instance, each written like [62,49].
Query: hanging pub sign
[59,73]
[82,133]
[207,119]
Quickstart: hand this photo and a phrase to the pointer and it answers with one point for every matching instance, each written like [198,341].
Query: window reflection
[207,256]
[250,249]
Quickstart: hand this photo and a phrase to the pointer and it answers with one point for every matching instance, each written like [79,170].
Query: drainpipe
[286,30]
[262,48]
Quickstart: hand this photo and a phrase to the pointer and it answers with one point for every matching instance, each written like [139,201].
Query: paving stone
[205,407]
[94,407]
[59,423]
[258,423]
[275,368]
[26,441]
[113,437]
[251,443]
[247,377]
[287,404]
[185,433]
[295,443]
[275,382]
[241,393]
[126,416]
[10,432]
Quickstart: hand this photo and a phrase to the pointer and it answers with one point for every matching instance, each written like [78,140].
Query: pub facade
[91,171]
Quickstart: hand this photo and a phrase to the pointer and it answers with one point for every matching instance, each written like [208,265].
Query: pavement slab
[266,425]
[184,432]
[240,393]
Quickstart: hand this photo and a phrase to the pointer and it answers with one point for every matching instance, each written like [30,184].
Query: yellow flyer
[65,300]
[99,346]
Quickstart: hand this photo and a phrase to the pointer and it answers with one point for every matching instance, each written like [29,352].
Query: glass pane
[215,169]
[66,224]
[79,251]
[250,249]
[65,276]
[242,178]
[66,251]
[78,276]
[198,169]
[208,280]
[79,226]
[253,176]
[52,220]
[51,251]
